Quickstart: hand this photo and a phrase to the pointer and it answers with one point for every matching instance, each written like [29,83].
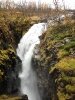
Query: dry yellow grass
[5,97]
[35,18]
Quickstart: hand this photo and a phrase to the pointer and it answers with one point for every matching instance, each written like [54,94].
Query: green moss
[69,45]
[7,58]
[3,56]
[57,50]
[12,28]
[70,89]
[66,78]
[62,53]
[66,64]
[69,80]
[61,96]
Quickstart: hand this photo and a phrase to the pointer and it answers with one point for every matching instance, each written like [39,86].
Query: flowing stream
[25,52]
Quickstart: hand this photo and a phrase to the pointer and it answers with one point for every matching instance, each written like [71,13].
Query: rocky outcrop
[24,97]
[11,31]
[10,66]
[45,81]
[55,66]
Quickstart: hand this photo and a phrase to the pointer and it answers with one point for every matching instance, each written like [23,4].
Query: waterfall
[25,52]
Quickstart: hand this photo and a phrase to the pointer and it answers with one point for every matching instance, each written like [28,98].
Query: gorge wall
[55,62]
[11,30]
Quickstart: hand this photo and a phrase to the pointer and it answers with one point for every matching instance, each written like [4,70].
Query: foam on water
[25,52]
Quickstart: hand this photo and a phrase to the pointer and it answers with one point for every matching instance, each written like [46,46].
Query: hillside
[11,30]
[56,65]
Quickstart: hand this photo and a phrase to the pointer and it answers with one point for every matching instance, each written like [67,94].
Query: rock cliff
[55,62]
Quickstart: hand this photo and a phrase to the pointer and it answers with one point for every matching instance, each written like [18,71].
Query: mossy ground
[12,27]
[57,52]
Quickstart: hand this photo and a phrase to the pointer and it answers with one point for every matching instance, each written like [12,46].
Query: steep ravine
[11,31]
[55,62]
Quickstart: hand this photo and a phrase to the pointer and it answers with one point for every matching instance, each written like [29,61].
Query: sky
[68,3]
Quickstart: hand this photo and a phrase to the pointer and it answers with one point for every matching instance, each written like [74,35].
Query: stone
[24,97]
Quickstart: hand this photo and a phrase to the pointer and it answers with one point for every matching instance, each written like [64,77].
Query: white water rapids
[25,52]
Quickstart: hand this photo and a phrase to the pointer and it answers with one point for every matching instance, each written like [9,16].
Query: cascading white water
[25,52]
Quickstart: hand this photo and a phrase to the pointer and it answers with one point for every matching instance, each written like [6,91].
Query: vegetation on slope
[12,28]
[57,52]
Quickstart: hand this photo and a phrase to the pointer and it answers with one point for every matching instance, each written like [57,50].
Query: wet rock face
[11,32]
[42,81]
[13,81]
[45,81]
[42,76]
[56,64]
[24,97]
[10,82]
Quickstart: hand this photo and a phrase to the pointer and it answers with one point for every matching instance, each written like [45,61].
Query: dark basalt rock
[13,81]
[24,97]
[10,83]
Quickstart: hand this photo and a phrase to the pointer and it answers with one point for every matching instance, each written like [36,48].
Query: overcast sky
[69,3]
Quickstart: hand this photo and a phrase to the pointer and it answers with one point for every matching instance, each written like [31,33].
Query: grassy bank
[12,28]
[57,52]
